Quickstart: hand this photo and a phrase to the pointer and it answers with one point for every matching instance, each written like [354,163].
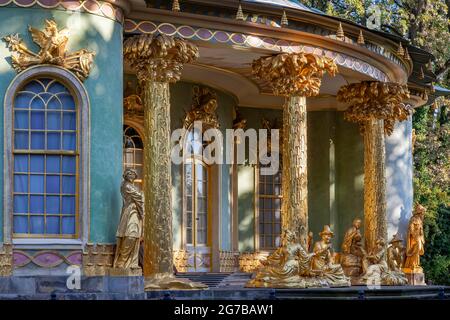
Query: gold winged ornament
[53,50]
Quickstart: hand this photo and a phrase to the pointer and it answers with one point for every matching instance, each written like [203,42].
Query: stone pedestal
[415,277]
[122,272]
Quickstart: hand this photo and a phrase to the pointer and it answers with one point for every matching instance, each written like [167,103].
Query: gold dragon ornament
[53,50]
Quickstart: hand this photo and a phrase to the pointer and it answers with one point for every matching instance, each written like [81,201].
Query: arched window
[45,151]
[133,157]
[269,198]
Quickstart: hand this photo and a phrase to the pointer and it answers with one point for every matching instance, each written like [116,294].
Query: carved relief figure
[396,254]
[203,108]
[129,232]
[322,259]
[415,240]
[353,252]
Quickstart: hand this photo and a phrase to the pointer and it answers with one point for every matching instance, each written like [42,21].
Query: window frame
[82,104]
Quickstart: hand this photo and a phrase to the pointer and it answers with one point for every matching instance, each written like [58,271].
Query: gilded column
[376,106]
[295,76]
[158,61]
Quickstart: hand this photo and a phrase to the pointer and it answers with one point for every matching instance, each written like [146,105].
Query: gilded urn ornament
[53,50]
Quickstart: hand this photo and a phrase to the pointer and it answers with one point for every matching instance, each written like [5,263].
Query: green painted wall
[349,175]
[104,87]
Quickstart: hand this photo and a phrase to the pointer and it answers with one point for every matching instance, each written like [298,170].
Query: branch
[391,28]
[440,73]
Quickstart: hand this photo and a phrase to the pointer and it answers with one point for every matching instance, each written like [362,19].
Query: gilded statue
[53,50]
[396,253]
[353,253]
[290,266]
[322,261]
[378,272]
[415,241]
[130,230]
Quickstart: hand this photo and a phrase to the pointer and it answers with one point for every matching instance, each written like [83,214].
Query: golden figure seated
[353,253]
[378,272]
[396,254]
[290,266]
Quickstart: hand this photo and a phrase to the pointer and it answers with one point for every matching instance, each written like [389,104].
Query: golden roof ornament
[400,50]
[240,13]
[430,66]
[340,33]
[407,56]
[360,40]
[422,74]
[53,50]
[176,6]
[284,19]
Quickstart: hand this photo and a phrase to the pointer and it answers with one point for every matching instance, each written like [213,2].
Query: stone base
[416,278]
[122,272]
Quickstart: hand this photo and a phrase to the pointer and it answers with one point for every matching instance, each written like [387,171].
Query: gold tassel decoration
[360,40]
[400,50]
[240,13]
[176,6]
[340,32]
[284,19]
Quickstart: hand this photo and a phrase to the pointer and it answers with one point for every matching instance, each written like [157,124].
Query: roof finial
[407,56]
[176,6]
[340,32]
[432,87]
[284,19]
[422,74]
[429,66]
[400,50]
[360,40]
[240,13]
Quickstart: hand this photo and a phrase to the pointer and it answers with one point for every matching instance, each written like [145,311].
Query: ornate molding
[229,261]
[52,43]
[204,105]
[158,58]
[250,41]
[294,74]
[6,260]
[46,258]
[97,259]
[113,10]
[371,100]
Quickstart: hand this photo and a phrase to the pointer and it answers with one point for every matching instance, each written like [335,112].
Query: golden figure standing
[129,232]
[415,241]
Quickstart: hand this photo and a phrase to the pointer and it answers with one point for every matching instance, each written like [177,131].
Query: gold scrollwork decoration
[53,50]
[158,58]
[203,108]
[294,74]
[376,100]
